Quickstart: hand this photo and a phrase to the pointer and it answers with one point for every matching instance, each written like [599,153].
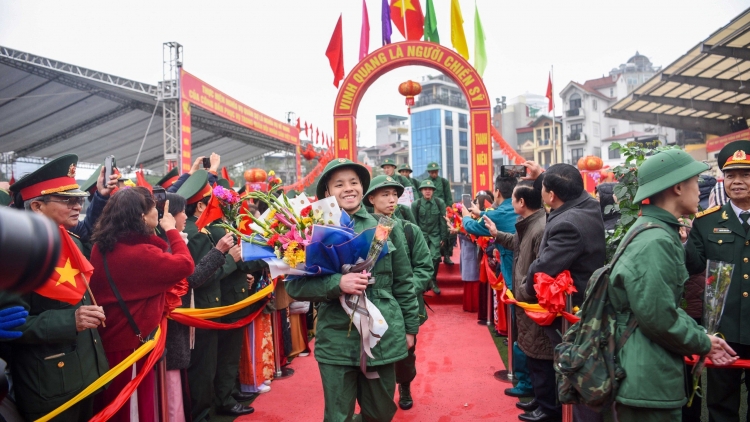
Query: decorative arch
[420,53]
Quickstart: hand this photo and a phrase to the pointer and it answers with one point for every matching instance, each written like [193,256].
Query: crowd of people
[150,258]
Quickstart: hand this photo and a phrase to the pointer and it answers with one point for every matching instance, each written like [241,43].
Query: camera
[29,249]
[513,171]
[160,197]
[206,163]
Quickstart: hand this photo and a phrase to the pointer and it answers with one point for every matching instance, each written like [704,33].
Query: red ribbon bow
[552,292]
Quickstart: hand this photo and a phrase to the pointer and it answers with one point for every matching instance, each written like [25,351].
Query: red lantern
[593,163]
[582,163]
[255,175]
[309,153]
[409,89]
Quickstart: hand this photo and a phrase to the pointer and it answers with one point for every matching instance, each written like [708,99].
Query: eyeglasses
[71,202]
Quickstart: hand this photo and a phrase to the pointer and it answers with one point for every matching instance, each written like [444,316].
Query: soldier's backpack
[586,365]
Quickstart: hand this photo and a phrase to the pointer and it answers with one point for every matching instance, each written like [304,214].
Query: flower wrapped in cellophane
[297,237]
[718,279]
[363,314]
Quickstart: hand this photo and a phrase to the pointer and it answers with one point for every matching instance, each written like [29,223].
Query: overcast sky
[271,54]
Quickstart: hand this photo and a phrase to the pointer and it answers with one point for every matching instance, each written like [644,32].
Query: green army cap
[388,162]
[404,167]
[58,177]
[433,166]
[292,194]
[169,178]
[338,164]
[666,169]
[382,182]
[428,184]
[734,155]
[224,183]
[5,198]
[196,187]
[89,186]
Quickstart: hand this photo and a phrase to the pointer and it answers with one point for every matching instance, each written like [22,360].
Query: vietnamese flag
[141,181]
[245,222]
[212,213]
[408,18]
[335,53]
[549,94]
[69,280]
[225,175]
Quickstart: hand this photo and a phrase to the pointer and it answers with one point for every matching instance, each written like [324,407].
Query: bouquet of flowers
[364,315]
[453,214]
[225,205]
[718,279]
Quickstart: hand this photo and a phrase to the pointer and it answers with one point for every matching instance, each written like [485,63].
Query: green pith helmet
[224,183]
[382,182]
[58,177]
[426,184]
[196,187]
[388,162]
[169,178]
[338,164]
[665,169]
[89,186]
[734,155]
[433,166]
[404,167]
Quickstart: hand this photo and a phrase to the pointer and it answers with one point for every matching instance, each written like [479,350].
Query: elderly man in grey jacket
[573,240]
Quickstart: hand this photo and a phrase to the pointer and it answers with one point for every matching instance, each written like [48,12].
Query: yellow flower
[293,255]
[307,221]
[272,173]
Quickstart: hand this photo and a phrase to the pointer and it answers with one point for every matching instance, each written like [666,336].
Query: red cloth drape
[211,325]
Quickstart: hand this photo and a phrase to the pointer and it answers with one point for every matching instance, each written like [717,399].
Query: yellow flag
[458,38]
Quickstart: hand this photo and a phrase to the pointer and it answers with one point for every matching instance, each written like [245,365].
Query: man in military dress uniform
[443,191]
[382,197]
[336,349]
[60,352]
[406,171]
[204,357]
[721,233]
[429,212]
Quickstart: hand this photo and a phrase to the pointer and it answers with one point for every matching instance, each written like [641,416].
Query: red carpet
[456,359]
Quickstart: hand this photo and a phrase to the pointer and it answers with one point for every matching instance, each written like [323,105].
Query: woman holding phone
[134,270]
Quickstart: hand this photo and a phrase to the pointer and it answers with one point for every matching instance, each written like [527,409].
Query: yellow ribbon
[107,377]
[221,311]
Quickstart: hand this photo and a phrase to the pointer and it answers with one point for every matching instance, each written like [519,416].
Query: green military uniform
[404,168]
[430,218]
[337,350]
[5,198]
[404,181]
[203,358]
[443,191]
[421,264]
[718,234]
[52,362]
[404,213]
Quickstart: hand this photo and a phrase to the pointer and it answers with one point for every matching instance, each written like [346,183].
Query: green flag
[430,24]
[480,54]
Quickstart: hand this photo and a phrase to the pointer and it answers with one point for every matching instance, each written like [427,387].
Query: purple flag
[385,18]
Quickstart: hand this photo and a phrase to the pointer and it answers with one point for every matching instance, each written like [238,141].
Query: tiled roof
[593,91]
[603,82]
[626,135]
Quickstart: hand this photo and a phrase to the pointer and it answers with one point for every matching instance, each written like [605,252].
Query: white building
[588,131]
[391,129]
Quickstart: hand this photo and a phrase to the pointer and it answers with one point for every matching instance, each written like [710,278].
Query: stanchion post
[279,372]
[567,409]
[506,375]
[161,377]
[490,302]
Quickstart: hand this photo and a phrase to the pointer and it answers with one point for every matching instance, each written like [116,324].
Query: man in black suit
[573,240]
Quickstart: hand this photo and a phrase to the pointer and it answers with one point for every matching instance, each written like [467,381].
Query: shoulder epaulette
[708,211]
[73,234]
[205,231]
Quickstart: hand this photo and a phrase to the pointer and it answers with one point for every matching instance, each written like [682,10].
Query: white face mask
[184,237]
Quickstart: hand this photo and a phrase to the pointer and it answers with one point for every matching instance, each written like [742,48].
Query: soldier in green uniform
[204,357]
[389,168]
[168,180]
[338,351]
[429,212]
[60,352]
[721,233]
[406,171]
[234,288]
[382,196]
[443,191]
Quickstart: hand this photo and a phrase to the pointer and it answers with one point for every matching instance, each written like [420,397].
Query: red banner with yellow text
[186,138]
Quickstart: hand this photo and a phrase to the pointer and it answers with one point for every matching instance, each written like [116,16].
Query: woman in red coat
[142,270]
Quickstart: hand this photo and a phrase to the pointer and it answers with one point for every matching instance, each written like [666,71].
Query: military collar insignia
[724,215]
[72,171]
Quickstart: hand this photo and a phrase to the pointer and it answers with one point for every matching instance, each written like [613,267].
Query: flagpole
[403,18]
[554,122]
[93,299]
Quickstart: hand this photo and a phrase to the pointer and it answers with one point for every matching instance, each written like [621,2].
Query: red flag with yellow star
[408,18]
[245,222]
[71,275]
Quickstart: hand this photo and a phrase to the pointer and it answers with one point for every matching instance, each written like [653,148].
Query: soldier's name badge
[722,230]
